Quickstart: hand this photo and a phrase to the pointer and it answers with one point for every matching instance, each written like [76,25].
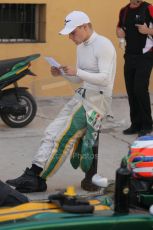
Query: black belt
[82,92]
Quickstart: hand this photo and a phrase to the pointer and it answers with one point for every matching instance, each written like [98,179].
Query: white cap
[73,20]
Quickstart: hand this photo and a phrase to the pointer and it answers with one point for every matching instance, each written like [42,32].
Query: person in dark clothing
[135,29]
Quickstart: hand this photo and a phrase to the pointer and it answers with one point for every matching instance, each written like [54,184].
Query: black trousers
[137,71]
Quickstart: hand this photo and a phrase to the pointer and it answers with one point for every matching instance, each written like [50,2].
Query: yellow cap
[70,191]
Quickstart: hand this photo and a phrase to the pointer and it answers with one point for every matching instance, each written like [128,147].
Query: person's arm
[120,28]
[144,29]
[150,32]
[72,78]
[70,73]
[106,56]
[106,59]
[121,37]
[56,72]
[120,32]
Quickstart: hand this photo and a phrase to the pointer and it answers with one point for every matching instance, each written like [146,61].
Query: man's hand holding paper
[55,71]
[56,68]
[69,70]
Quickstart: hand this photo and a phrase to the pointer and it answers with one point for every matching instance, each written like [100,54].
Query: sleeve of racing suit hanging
[105,60]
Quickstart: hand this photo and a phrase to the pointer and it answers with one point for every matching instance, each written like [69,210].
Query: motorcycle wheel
[19,121]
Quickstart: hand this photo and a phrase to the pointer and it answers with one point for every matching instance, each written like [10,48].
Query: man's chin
[77,43]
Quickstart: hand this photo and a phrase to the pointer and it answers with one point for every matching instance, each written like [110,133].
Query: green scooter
[17,106]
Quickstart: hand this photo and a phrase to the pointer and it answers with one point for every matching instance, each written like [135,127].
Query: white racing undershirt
[96,64]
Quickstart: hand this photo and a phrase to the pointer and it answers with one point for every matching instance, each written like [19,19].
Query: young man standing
[135,28]
[95,68]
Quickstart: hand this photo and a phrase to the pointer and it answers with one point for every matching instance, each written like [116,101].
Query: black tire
[19,121]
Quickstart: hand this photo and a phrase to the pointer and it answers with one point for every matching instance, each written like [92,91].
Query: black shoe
[144,132]
[130,131]
[87,185]
[28,182]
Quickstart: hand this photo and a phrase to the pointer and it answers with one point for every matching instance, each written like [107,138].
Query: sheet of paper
[54,63]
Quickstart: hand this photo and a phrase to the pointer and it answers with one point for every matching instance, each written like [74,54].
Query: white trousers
[60,128]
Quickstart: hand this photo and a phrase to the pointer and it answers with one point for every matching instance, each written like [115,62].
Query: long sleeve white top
[96,64]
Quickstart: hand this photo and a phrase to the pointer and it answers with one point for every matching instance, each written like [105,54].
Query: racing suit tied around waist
[83,155]
[74,132]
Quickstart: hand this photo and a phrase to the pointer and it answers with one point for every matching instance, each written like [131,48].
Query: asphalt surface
[18,146]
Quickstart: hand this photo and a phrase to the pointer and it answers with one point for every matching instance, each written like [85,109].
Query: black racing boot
[131,130]
[86,183]
[144,132]
[28,182]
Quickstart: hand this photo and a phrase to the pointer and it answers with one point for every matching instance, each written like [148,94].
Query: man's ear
[86,27]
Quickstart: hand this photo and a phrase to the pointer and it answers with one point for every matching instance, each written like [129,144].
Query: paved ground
[18,146]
